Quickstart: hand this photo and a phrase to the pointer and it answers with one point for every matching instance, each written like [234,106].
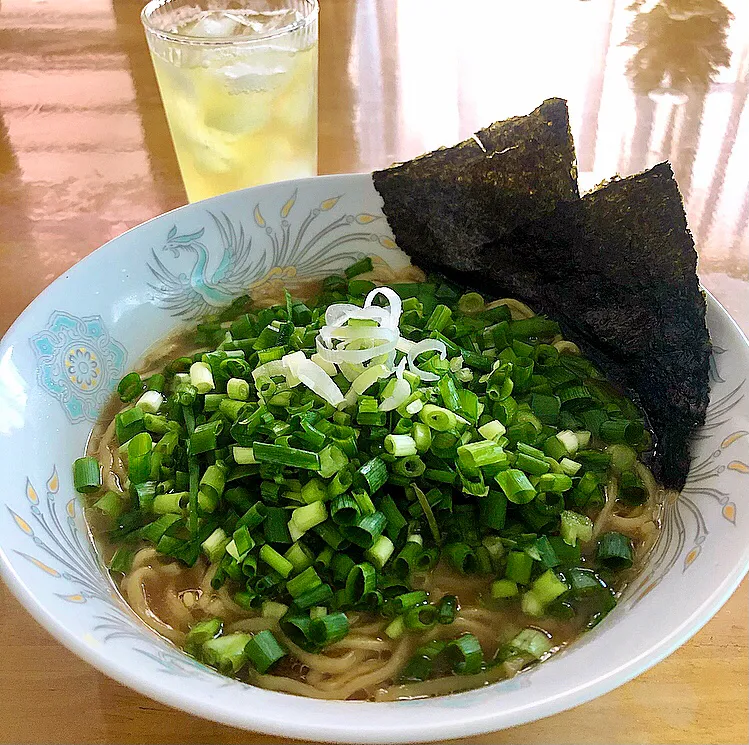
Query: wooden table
[85,153]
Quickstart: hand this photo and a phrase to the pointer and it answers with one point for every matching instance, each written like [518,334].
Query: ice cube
[210,149]
[258,23]
[260,70]
[296,104]
[239,116]
[215,25]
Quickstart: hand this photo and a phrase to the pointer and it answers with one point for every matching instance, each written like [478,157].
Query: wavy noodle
[206,590]
[610,492]
[316,661]
[628,525]
[112,468]
[134,590]
[144,557]
[355,671]
[177,608]
[442,686]
[367,628]
[518,310]
[287,685]
[230,605]
[361,642]
[172,568]
[376,677]
[259,623]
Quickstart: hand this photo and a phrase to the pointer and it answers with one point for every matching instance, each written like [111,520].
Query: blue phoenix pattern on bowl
[308,249]
[78,363]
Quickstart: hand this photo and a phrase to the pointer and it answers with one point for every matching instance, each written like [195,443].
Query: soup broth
[370,662]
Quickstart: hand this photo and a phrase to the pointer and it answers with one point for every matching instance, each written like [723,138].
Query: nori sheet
[616,268]
[454,200]
[626,291]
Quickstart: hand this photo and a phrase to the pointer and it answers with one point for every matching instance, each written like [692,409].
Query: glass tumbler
[238,81]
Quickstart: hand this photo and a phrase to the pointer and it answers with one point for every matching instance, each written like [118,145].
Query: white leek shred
[290,362]
[351,372]
[370,376]
[349,347]
[329,367]
[404,345]
[456,363]
[269,369]
[427,345]
[349,399]
[393,299]
[387,339]
[401,391]
[314,377]
[400,369]
[415,406]
[340,313]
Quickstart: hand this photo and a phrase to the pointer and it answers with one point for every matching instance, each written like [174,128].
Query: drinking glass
[238,79]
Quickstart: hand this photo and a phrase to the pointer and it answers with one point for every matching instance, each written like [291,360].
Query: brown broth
[171,597]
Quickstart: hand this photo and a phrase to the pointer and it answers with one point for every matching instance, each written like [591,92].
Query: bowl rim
[346,731]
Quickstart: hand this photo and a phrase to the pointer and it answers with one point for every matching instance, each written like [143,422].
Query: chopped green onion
[504,588]
[575,527]
[238,389]
[130,386]
[225,652]
[286,456]
[87,474]
[395,628]
[615,551]
[462,557]
[329,629]
[215,545]
[275,561]
[263,651]
[200,633]
[122,560]
[379,552]
[515,485]
[447,609]
[532,642]
[303,582]
[129,423]
[400,445]
[519,567]
[366,530]
[620,430]
[361,581]
[321,594]
[471,303]
[139,458]
[437,418]
[548,587]
[201,377]
[372,475]
[304,518]
[465,655]
[421,617]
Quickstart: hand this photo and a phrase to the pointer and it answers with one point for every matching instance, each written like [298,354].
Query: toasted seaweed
[626,290]
[455,200]
[616,268]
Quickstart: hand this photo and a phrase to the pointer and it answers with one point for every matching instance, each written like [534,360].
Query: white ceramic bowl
[63,356]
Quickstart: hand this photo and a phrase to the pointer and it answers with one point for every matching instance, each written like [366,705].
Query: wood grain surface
[85,153]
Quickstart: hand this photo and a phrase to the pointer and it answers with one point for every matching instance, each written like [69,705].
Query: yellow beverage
[239,89]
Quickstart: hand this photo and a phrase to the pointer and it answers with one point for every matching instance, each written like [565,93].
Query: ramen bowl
[59,364]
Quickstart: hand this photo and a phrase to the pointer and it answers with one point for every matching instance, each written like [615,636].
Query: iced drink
[239,87]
